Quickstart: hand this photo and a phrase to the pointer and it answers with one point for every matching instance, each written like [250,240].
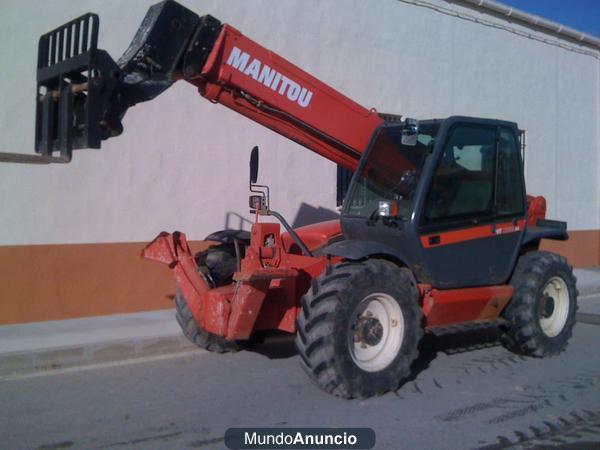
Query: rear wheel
[196,333]
[217,265]
[541,314]
[359,328]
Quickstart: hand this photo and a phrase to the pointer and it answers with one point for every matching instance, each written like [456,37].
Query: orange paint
[468,234]
[446,307]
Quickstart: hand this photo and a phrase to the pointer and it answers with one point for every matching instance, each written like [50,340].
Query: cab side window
[463,184]
[509,189]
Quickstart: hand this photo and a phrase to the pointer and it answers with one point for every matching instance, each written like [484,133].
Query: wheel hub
[554,305]
[547,307]
[375,332]
[368,330]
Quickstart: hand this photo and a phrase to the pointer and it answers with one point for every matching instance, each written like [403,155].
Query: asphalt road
[460,397]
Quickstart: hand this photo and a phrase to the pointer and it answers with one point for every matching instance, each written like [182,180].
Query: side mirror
[410,132]
[254,164]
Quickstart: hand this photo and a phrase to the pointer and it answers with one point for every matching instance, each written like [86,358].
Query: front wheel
[359,328]
[541,314]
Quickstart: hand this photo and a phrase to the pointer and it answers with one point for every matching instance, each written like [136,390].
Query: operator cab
[451,207]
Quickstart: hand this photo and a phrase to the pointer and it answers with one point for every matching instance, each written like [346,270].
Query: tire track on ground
[577,427]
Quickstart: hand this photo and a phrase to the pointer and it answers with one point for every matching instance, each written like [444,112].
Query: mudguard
[357,250]
[228,236]
[546,229]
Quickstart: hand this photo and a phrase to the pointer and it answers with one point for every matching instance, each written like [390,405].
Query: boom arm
[263,86]
[83,94]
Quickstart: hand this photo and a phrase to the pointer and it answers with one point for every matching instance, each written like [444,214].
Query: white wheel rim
[390,332]
[553,323]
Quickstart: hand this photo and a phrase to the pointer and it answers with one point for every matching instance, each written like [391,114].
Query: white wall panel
[182,163]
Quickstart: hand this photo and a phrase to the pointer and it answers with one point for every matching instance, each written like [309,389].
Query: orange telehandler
[436,228]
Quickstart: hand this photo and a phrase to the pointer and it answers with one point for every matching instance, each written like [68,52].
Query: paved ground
[481,398]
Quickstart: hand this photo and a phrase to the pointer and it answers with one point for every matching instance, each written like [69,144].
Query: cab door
[469,228]
[510,201]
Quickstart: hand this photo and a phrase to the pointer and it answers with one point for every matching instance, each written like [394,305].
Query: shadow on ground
[273,345]
[278,345]
[453,340]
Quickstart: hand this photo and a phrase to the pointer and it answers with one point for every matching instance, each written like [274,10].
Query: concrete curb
[588,281]
[47,359]
[588,291]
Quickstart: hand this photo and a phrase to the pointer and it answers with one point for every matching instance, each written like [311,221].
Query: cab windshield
[390,173]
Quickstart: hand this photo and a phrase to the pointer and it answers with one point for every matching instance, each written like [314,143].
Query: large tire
[541,314]
[196,334]
[359,328]
[217,265]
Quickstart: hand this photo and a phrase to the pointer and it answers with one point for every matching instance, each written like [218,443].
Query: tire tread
[315,340]
[523,334]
